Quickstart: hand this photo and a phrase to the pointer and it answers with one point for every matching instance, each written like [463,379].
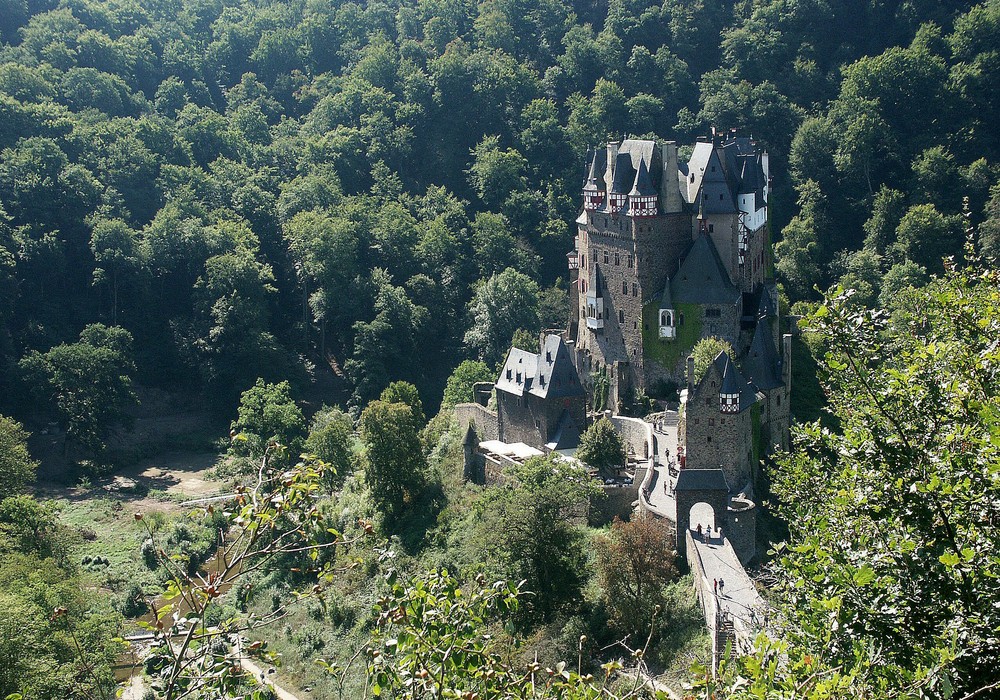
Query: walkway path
[736,605]
[664,450]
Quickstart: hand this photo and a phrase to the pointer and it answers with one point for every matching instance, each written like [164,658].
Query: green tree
[17,468]
[602,447]
[405,393]
[463,379]
[926,236]
[116,249]
[885,586]
[331,437]
[502,304]
[393,459]
[635,561]
[705,351]
[496,173]
[543,544]
[87,384]
[268,416]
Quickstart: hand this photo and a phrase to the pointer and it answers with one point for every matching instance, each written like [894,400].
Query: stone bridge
[734,612]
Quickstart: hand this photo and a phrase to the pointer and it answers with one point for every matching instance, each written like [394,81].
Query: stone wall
[726,325]
[616,502]
[634,256]
[637,435]
[741,529]
[485,421]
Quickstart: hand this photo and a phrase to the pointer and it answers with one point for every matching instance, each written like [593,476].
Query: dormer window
[518,377]
[509,374]
[548,356]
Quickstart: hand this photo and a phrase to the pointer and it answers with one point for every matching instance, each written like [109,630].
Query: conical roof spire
[643,185]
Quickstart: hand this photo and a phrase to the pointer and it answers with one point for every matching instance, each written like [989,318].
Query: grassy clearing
[106,528]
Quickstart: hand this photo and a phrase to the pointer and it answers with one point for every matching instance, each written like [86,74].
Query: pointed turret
[642,196]
[621,183]
[593,186]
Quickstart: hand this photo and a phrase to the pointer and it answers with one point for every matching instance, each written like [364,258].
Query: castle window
[708,401]
[618,259]
[722,421]
[711,421]
[605,257]
[708,439]
[711,228]
[779,400]
[635,289]
[624,287]
[621,317]
[720,197]
[635,325]
[631,259]
[697,421]
[680,320]
[595,255]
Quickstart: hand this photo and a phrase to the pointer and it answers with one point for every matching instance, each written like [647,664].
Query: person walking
[722,587]
[699,531]
[715,586]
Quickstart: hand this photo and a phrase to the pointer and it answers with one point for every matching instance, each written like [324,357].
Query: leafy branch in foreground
[275,521]
[888,587]
[435,638]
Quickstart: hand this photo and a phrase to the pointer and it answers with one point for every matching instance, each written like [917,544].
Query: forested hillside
[268,205]
[250,187]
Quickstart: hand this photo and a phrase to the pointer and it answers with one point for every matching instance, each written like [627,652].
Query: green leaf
[949,559]
[864,575]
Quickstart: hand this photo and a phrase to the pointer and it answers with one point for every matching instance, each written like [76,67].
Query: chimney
[690,373]
[609,174]
[670,193]
[786,361]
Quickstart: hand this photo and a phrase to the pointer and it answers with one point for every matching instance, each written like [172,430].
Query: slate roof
[697,165]
[702,279]
[762,364]
[702,480]
[548,374]
[596,285]
[518,373]
[594,179]
[666,301]
[642,186]
[624,174]
[733,381]
[738,170]
[566,435]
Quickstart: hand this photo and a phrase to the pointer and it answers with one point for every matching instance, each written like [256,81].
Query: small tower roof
[762,364]
[733,381]
[624,174]
[595,172]
[666,300]
[643,185]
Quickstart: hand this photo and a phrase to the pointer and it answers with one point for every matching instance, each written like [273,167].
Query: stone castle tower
[668,253]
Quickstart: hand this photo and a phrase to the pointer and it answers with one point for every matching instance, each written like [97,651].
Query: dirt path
[180,475]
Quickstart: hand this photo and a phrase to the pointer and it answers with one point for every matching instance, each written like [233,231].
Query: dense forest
[244,203]
[251,188]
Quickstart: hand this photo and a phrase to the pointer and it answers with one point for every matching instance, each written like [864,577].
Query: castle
[667,253]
